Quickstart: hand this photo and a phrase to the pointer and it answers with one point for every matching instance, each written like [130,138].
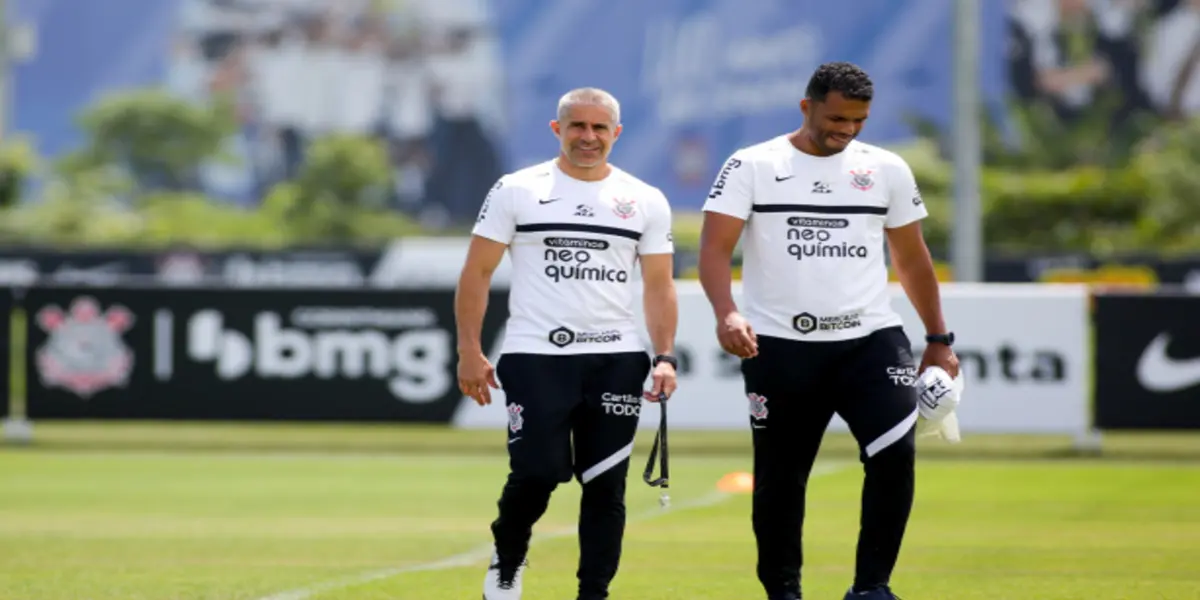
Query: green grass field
[156,511]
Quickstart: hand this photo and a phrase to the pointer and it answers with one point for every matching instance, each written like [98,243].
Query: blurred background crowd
[1075,53]
[276,125]
[420,77]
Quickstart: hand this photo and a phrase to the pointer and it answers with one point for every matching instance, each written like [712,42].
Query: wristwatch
[940,338]
[667,358]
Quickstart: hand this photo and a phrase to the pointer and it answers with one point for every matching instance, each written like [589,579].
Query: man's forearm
[716,277]
[662,317]
[920,284]
[470,305]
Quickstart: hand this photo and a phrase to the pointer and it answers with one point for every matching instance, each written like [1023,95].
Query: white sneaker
[503,584]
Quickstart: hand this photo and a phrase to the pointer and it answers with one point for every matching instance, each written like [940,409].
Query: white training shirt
[813,265]
[574,245]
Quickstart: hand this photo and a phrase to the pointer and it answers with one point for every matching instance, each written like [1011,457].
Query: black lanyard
[659,438]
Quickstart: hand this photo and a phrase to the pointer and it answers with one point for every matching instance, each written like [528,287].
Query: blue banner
[698,78]
[85,50]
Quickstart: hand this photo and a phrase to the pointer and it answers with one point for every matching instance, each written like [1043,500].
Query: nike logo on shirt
[549,201]
[1158,372]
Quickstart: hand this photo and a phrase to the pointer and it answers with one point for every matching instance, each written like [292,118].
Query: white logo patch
[758,406]
[515,422]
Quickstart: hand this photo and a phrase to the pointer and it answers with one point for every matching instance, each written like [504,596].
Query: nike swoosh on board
[1158,372]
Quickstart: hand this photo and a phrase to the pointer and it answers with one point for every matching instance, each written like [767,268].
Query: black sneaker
[879,593]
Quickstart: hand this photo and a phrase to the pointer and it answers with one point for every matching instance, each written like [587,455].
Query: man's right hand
[475,375]
[736,337]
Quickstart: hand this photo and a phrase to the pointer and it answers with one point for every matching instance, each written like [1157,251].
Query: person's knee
[542,468]
[544,479]
[539,471]
[523,494]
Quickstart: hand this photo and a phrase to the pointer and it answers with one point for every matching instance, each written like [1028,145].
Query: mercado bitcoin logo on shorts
[563,337]
[807,323]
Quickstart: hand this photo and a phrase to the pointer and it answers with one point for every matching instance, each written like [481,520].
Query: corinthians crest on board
[84,352]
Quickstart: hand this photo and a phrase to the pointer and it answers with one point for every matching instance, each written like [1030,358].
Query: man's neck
[802,140]
[595,173]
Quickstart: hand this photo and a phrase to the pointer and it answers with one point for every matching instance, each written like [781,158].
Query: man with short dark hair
[816,332]
[573,364]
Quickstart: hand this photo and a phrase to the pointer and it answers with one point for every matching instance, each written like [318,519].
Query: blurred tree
[343,177]
[1170,164]
[1033,137]
[1084,208]
[1083,186]
[133,184]
[159,139]
[18,161]
[71,210]
[1043,141]
[185,218]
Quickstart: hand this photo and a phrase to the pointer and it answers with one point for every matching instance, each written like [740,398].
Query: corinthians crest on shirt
[84,352]
[861,179]
[624,207]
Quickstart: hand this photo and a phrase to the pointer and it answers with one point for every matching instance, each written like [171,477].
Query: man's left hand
[942,356]
[663,382]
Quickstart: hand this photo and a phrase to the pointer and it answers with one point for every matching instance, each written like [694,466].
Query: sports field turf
[155,511]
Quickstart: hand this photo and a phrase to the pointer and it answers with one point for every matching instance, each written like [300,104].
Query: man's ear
[555,128]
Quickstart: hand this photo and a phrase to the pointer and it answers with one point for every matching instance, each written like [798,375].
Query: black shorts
[596,398]
[794,388]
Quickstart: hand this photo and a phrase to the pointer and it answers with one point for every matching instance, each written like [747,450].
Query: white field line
[484,552]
